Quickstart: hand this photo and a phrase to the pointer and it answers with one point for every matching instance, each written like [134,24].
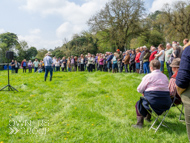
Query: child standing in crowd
[114,64]
[69,64]
[30,66]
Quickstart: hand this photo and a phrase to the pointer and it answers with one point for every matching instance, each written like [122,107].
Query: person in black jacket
[16,66]
[183,84]
[132,61]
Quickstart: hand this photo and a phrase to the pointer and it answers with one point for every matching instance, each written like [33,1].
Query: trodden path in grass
[78,107]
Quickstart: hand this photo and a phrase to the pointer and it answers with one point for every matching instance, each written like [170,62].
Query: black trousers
[101,67]
[16,70]
[24,69]
[132,67]
[82,67]
[90,68]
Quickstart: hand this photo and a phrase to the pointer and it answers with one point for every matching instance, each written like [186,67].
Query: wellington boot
[140,122]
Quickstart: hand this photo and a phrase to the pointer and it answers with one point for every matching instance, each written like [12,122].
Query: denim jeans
[47,70]
[146,67]
[162,66]
[169,70]
[35,69]
[126,68]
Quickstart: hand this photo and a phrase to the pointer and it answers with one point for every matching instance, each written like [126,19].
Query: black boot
[45,79]
[140,121]
[50,78]
[148,117]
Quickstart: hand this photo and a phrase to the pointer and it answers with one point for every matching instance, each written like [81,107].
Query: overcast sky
[45,23]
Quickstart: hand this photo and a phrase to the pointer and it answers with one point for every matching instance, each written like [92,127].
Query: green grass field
[78,107]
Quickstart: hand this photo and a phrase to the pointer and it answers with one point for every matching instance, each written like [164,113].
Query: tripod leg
[4,87]
[13,89]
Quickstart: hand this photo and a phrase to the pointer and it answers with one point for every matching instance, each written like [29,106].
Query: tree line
[121,24]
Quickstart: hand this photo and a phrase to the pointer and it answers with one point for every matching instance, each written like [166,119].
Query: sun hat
[49,54]
[175,63]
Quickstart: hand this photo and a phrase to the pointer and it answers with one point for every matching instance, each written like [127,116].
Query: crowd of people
[129,61]
[155,86]
[158,92]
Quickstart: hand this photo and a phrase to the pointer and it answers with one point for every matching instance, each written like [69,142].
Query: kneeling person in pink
[154,87]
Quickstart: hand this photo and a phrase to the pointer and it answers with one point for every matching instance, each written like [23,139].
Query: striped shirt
[155,81]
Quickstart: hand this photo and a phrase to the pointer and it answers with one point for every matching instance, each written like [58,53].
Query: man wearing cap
[119,58]
[172,85]
[48,66]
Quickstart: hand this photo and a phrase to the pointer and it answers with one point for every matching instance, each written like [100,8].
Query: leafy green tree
[7,41]
[41,54]
[119,21]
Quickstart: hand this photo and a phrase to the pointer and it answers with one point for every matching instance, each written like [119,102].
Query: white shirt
[161,58]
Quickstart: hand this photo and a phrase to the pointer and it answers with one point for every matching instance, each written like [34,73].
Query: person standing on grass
[30,66]
[183,84]
[101,62]
[153,53]
[137,60]
[16,66]
[160,56]
[82,62]
[24,65]
[114,63]
[154,87]
[13,66]
[90,62]
[146,61]
[108,61]
[141,59]
[132,61]
[57,65]
[93,63]
[69,64]
[126,61]
[36,65]
[48,66]
[119,58]
[168,53]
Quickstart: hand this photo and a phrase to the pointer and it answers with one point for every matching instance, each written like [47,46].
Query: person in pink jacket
[101,62]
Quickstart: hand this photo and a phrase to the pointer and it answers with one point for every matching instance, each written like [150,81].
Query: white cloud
[158,4]
[2,31]
[39,43]
[74,16]
[35,31]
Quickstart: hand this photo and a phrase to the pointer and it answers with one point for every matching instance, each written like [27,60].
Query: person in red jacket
[153,53]
[137,60]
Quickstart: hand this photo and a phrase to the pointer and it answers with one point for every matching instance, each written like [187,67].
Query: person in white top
[160,56]
[57,65]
